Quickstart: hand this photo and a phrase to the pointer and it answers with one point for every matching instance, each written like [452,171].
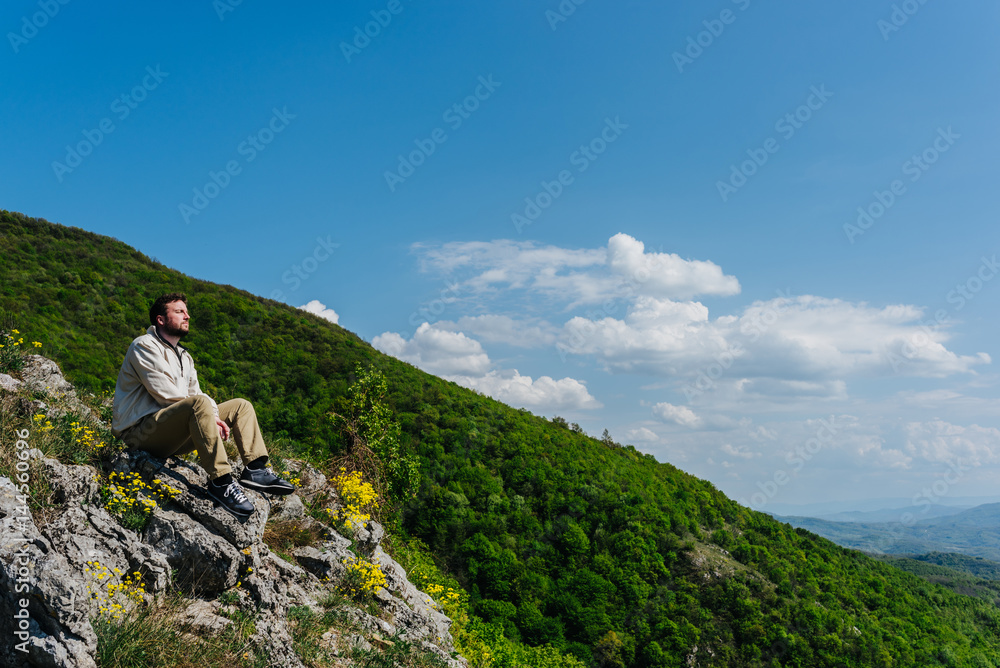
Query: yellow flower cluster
[358,497]
[449,594]
[11,354]
[88,438]
[127,493]
[114,596]
[292,478]
[42,422]
[363,577]
[11,341]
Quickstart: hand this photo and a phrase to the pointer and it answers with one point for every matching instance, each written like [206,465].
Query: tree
[372,436]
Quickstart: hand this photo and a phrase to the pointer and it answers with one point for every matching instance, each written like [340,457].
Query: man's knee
[201,402]
[240,406]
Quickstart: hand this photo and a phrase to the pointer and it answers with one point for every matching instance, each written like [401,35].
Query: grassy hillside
[559,538]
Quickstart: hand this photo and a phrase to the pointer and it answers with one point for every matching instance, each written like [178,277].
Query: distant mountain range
[973,531]
[829,510]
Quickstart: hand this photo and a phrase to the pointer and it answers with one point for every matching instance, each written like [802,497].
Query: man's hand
[223,429]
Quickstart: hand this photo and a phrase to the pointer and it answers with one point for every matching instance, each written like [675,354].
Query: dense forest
[562,539]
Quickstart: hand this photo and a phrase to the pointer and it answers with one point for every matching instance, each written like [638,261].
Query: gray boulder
[53,629]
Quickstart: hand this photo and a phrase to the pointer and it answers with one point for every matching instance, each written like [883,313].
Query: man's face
[176,321]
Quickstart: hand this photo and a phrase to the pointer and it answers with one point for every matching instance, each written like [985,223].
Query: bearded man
[160,408]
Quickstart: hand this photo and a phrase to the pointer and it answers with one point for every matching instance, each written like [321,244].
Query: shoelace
[236,491]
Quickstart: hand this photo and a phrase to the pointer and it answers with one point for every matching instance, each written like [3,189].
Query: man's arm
[195,389]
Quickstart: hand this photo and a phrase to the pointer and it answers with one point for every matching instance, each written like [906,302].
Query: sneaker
[232,498]
[264,480]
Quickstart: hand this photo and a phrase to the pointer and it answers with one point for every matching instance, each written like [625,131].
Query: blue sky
[639,216]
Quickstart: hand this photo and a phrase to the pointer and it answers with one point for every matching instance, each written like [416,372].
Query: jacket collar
[178,349]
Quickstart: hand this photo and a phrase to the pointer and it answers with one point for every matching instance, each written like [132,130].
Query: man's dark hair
[159,307]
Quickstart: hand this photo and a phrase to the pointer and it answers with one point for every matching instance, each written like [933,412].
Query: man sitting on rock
[160,408]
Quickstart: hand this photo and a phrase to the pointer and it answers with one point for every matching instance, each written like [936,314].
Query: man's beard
[174,331]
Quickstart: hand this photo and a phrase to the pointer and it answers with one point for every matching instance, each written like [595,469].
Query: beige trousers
[189,425]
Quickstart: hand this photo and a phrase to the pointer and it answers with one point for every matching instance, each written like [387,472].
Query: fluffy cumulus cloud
[802,346]
[636,313]
[666,275]
[641,435]
[681,415]
[459,358]
[622,269]
[541,394]
[318,308]
[439,352]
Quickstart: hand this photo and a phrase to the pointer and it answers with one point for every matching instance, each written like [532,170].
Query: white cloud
[641,435]
[459,358]
[318,308]
[436,351]
[666,275]
[539,395]
[623,269]
[785,346]
[741,452]
[940,441]
[681,415]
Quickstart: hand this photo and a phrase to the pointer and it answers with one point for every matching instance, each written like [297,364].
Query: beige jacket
[153,376]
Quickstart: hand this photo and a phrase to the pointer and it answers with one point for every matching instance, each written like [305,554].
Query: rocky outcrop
[192,546]
[42,601]
[42,375]
[189,545]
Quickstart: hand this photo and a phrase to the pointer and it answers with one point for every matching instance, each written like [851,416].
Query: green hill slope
[559,538]
[953,571]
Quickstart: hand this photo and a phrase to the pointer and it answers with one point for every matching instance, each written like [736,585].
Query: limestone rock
[369,536]
[58,631]
[288,508]
[40,374]
[311,481]
[70,484]
[9,383]
[193,500]
[201,617]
